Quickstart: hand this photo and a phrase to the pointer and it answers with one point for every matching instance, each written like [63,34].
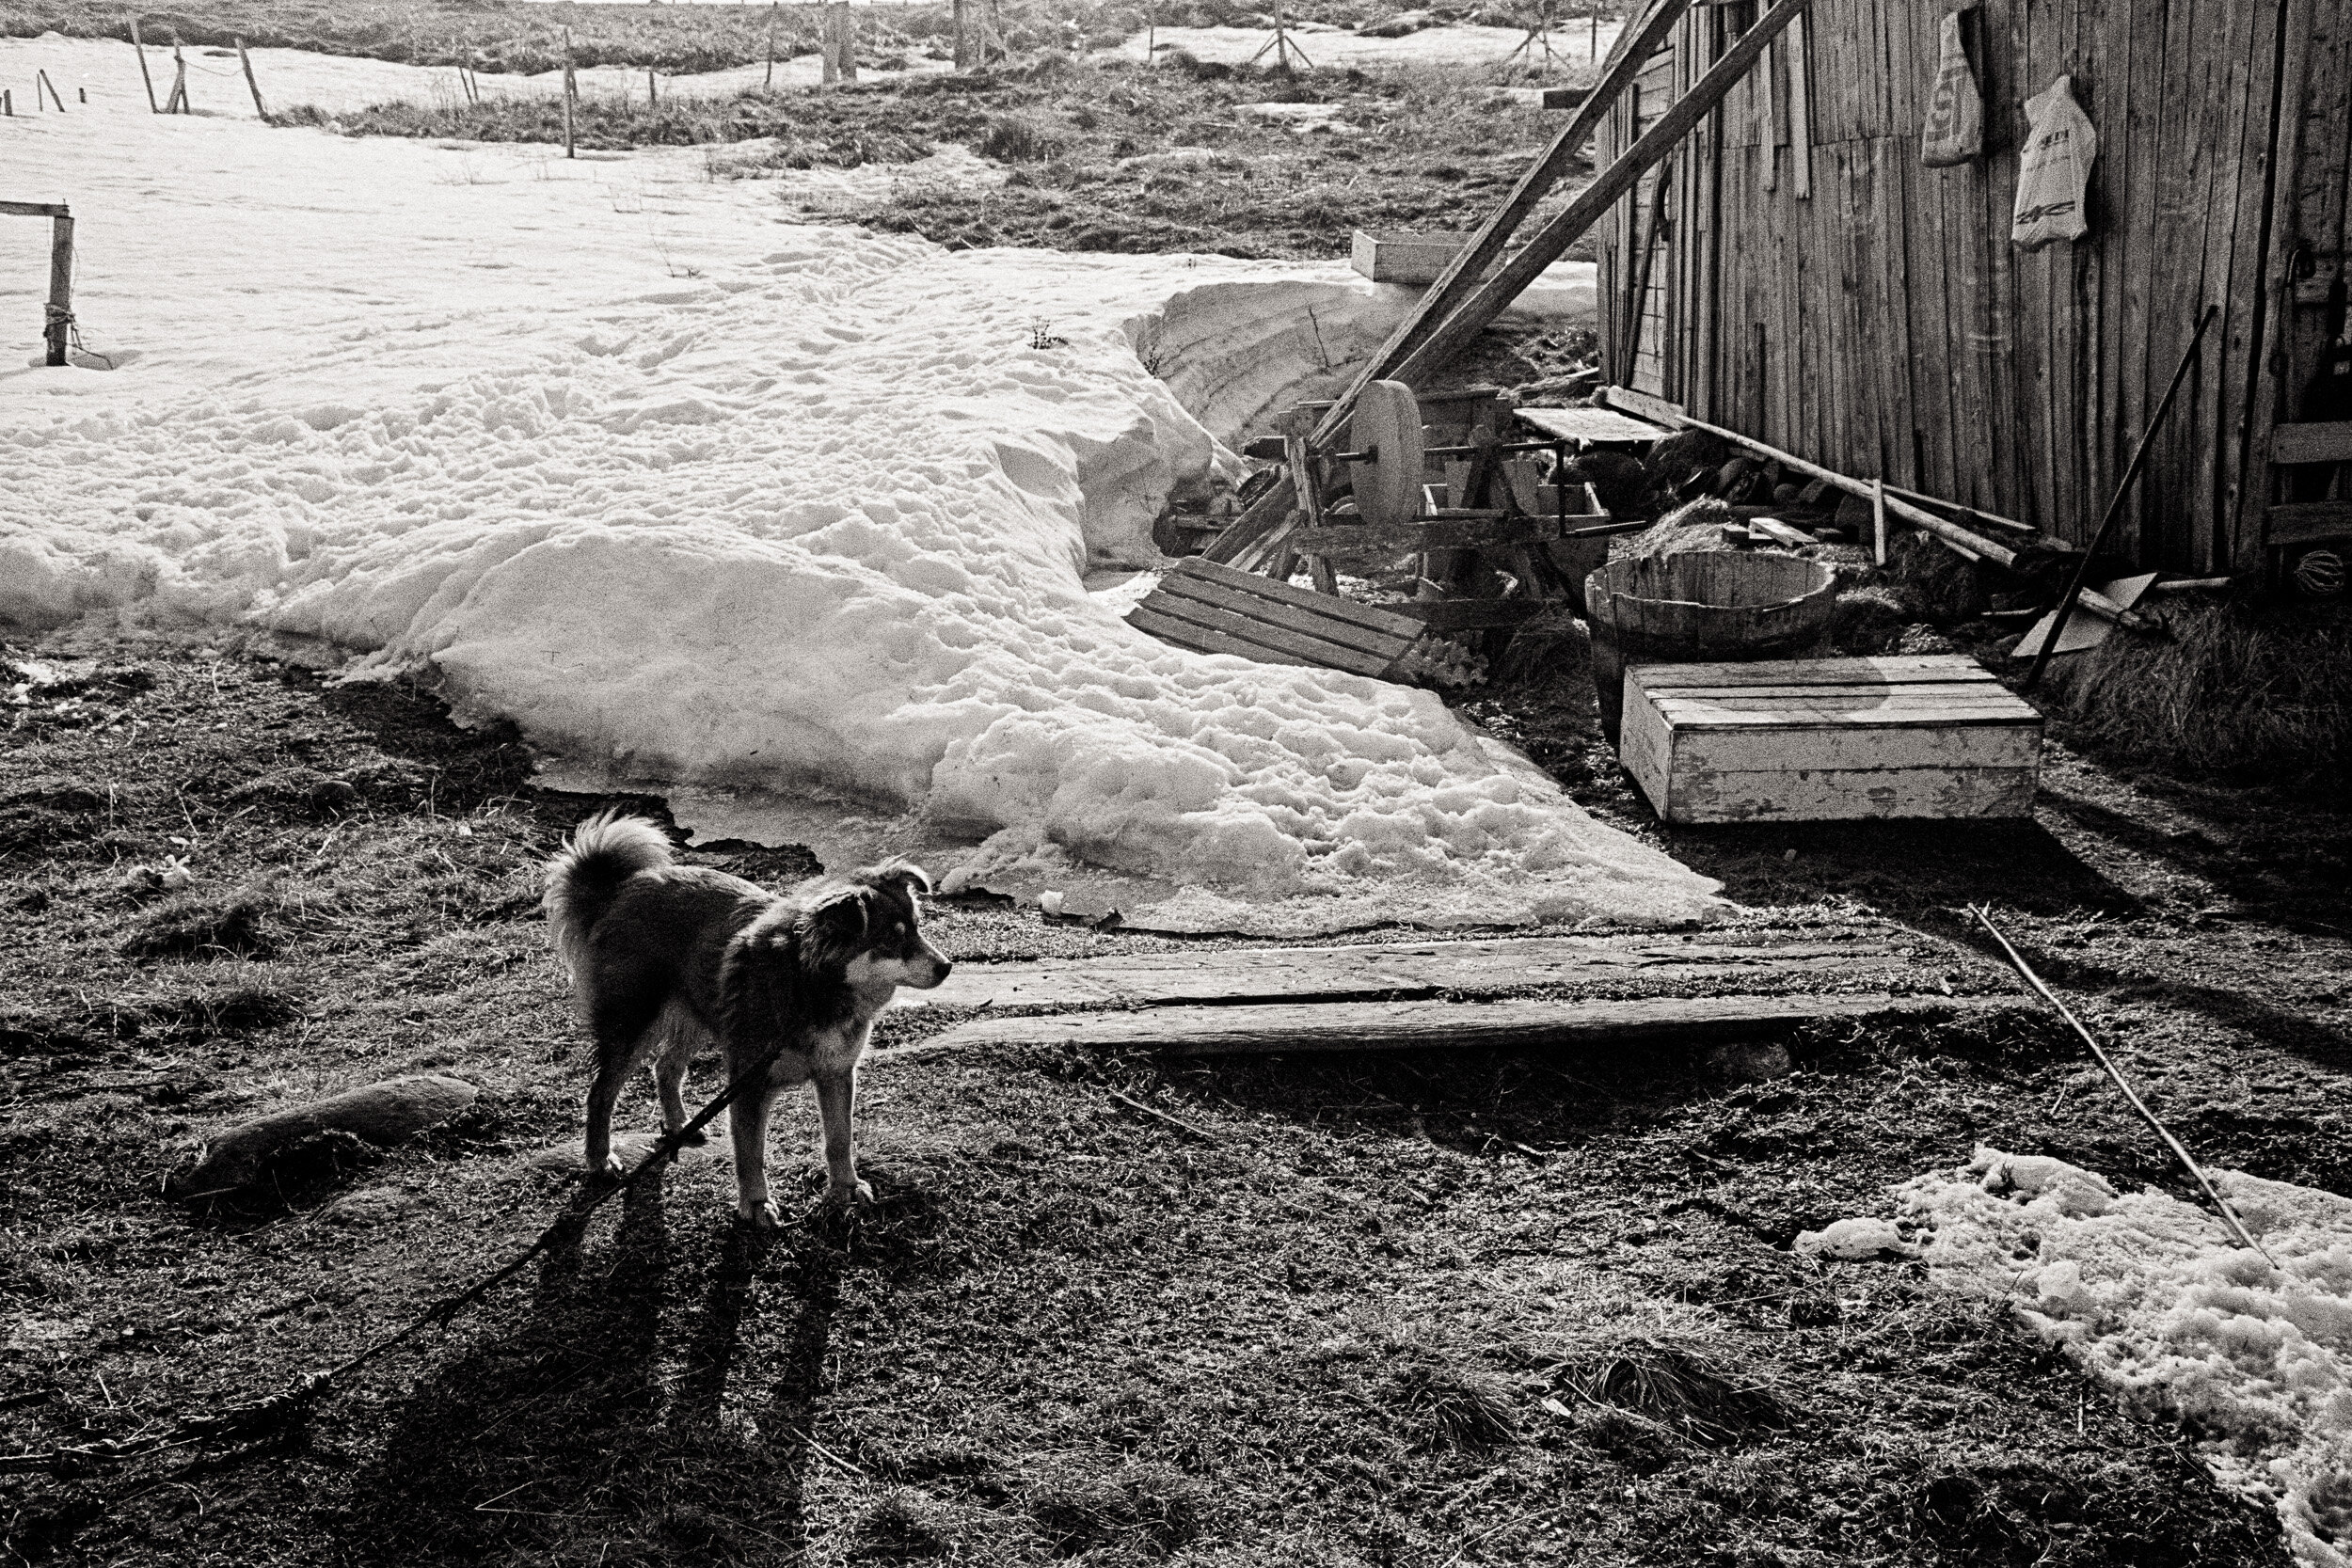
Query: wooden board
[1284,1029]
[1215,610]
[1401,971]
[2311,443]
[1605,426]
[1932,736]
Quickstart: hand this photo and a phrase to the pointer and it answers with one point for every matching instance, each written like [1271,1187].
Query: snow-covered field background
[698,494]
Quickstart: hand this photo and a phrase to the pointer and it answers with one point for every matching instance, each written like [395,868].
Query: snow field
[2151,1296]
[697,496]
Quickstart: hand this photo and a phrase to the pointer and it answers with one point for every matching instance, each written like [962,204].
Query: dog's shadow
[594,1427]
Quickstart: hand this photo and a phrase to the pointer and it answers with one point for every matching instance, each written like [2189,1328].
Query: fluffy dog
[667,958]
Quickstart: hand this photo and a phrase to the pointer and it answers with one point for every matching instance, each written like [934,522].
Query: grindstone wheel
[1387,424]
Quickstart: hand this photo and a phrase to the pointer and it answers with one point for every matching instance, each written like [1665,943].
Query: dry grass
[2232,689]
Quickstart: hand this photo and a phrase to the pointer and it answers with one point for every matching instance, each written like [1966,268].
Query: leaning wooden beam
[1630,53]
[1245,544]
[1927,522]
[1551,240]
[1584,1024]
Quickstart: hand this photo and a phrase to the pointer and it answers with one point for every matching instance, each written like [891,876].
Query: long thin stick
[139,44]
[2229,1215]
[569,92]
[2115,507]
[247,60]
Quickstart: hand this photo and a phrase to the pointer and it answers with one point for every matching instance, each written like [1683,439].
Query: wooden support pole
[178,102]
[769,79]
[1878,521]
[1635,44]
[848,41]
[145,76]
[828,45]
[571,91]
[1453,285]
[1552,240]
[40,80]
[58,326]
[653,94]
[255,87]
[7,103]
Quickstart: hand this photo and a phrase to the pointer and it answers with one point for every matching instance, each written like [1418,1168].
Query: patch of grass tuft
[1155,1508]
[242,919]
[1455,1407]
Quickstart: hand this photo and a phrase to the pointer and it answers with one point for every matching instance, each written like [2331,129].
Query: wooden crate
[1404,257]
[1829,740]
[1215,610]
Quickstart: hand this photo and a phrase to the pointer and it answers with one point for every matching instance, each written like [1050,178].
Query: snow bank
[697,496]
[2149,1295]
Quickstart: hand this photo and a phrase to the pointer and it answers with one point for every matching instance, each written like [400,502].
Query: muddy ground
[1428,1309]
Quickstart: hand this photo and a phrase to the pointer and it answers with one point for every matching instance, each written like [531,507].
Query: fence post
[60,326]
[570,91]
[139,44]
[245,60]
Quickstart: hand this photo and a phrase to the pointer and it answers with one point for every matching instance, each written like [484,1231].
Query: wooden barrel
[1702,608]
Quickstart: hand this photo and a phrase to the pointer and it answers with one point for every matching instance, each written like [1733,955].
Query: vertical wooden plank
[2197,68]
[2264,62]
[1927,298]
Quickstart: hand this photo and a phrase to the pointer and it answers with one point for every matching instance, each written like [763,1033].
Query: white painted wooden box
[1827,739]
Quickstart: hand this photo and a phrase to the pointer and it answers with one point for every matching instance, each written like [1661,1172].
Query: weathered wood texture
[1886,326]
[1216,610]
[1931,735]
[1279,1029]
[1404,970]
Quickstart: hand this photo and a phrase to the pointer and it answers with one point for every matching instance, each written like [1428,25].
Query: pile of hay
[2232,687]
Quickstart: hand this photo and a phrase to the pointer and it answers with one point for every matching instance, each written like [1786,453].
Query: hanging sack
[1955,128]
[2054,171]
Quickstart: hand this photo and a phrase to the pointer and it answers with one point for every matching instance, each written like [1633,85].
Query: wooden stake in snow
[571,91]
[653,94]
[769,79]
[255,87]
[57,324]
[178,102]
[40,80]
[2229,1215]
[139,44]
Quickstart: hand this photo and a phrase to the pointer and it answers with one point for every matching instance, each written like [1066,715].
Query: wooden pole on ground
[653,94]
[829,45]
[7,103]
[139,44]
[40,80]
[1634,45]
[769,79]
[570,91]
[1877,521]
[849,43]
[964,50]
[178,102]
[60,325]
[247,60]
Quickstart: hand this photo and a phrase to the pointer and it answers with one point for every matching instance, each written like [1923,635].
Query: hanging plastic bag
[2054,171]
[1955,128]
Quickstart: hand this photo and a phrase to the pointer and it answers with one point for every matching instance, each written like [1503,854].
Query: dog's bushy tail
[585,875]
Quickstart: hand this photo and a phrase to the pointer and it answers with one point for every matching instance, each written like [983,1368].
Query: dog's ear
[901,873]
[832,929]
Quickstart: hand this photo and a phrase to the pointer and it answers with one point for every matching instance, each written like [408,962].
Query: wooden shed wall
[1886,324]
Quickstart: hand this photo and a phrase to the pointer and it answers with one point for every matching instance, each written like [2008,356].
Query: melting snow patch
[2149,1295]
[1851,1240]
[699,496]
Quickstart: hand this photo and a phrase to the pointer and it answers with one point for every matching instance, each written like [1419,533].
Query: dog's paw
[609,1169]
[759,1217]
[692,1140]
[856,1195]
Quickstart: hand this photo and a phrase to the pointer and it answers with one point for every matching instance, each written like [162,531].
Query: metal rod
[2115,507]
[2229,1215]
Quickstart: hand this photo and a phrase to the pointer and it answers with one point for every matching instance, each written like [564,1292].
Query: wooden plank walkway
[1331,1026]
[1402,969]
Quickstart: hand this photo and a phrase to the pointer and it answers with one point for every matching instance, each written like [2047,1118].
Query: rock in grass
[381,1114]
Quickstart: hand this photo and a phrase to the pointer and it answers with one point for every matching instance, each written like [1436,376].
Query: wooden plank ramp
[1392,970]
[1285,1028]
[1215,610]
[1695,989]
